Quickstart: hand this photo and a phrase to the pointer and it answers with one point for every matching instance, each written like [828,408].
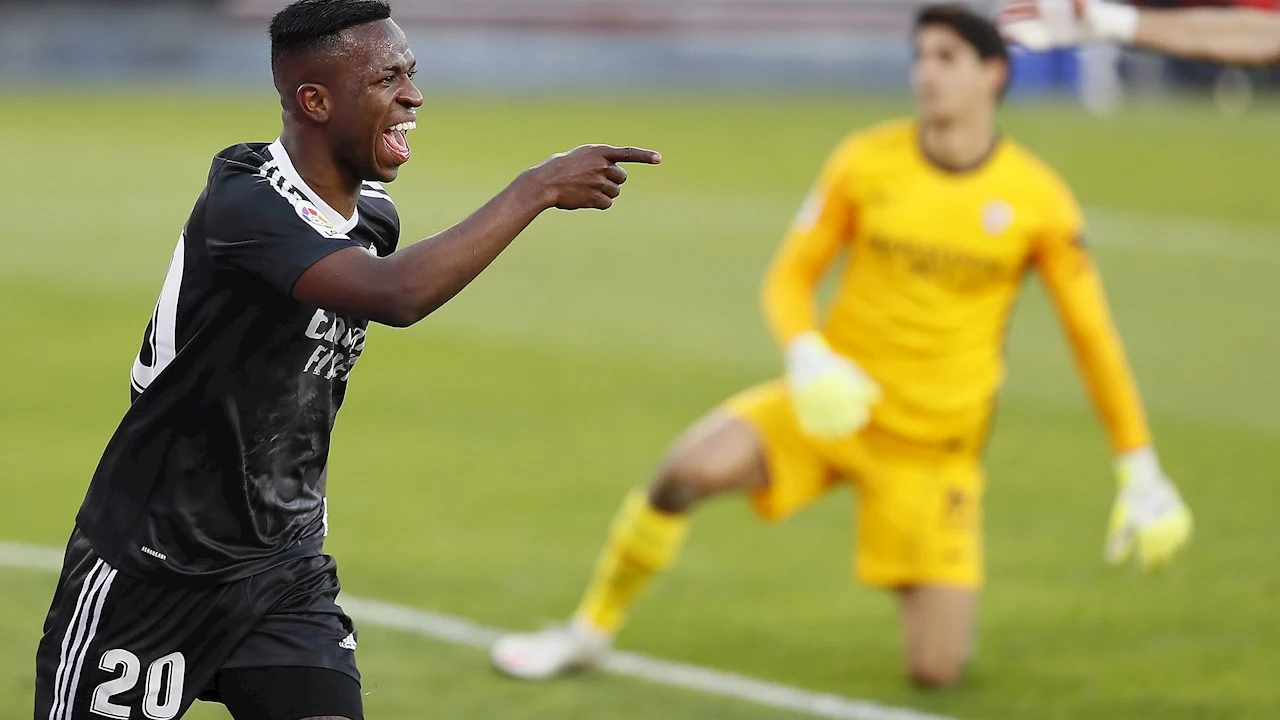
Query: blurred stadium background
[482,452]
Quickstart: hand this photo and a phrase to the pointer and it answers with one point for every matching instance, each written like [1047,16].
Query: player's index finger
[632,155]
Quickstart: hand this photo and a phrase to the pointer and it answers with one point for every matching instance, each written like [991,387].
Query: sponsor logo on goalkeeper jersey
[948,266]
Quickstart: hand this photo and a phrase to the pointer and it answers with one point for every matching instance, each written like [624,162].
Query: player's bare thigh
[938,627]
[718,454]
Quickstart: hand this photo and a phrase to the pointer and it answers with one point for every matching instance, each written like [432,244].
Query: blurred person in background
[893,390]
[1246,34]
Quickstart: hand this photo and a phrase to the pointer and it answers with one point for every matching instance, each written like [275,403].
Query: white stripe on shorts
[84,649]
[80,631]
[63,665]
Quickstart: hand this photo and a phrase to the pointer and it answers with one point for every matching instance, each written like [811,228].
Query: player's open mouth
[396,140]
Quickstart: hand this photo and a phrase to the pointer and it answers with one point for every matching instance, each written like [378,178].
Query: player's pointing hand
[588,176]
[631,155]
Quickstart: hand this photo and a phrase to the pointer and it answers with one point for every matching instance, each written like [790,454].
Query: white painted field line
[460,631]
[1131,231]
[29,557]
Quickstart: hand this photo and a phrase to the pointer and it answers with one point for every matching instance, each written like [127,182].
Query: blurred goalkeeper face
[952,82]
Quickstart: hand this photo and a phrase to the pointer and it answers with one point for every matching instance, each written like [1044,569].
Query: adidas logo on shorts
[348,642]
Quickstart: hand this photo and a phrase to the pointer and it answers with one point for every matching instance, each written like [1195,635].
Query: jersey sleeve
[824,224]
[379,211]
[1073,282]
[252,228]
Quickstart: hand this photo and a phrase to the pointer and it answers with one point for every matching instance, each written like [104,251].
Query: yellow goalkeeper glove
[1148,515]
[831,395]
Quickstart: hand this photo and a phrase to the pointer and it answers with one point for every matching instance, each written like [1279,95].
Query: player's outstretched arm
[1148,518]
[832,396]
[410,284]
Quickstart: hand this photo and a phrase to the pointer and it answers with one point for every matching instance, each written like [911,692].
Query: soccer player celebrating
[893,389]
[196,567]
[1246,36]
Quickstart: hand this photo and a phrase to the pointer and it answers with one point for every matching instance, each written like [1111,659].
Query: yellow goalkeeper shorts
[918,508]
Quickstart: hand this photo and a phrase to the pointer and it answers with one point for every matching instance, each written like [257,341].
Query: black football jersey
[218,469]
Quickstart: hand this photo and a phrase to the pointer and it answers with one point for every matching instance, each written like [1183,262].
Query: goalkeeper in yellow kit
[893,389]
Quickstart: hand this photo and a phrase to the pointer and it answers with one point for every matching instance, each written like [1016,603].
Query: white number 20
[164,685]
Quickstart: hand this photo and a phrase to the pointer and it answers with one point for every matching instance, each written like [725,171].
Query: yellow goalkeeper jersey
[935,261]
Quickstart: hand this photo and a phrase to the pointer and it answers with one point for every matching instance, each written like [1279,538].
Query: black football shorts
[118,648]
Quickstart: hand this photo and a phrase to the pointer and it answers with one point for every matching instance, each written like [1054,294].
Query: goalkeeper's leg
[938,626]
[719,454]
[920,534]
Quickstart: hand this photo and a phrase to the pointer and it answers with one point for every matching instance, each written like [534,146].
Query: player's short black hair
[307,25]
[976,29]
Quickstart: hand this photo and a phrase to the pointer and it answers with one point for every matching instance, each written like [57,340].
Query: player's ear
[314,102]
[998,74]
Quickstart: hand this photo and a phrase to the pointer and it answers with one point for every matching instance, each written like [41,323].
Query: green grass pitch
[482,453]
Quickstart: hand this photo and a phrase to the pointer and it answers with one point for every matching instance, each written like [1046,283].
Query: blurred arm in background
[1239,35]
[1227,35]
